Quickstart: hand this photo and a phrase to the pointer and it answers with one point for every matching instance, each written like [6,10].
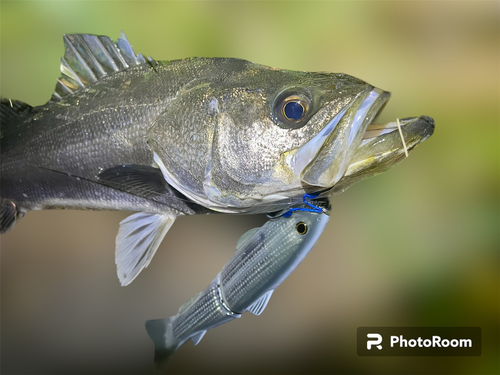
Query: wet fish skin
[52,155]
[184,137]
[264,258]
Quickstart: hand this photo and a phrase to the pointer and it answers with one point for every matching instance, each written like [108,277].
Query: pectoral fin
[141,180]
[137,241]
[258,306]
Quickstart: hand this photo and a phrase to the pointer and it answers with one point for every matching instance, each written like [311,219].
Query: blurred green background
[416,246]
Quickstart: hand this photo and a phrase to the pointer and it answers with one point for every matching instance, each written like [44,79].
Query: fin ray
[114,52]
[77,61]
[126,49]
[88,55]
[100,53]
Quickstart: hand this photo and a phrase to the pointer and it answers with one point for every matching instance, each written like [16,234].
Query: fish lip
[377,154]
[323,160]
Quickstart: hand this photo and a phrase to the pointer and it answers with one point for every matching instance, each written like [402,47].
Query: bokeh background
[415,246]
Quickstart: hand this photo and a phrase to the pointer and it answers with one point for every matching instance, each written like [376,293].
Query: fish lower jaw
[362,166]
[385,145]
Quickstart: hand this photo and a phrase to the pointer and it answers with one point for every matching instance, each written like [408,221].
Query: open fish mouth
[351,145]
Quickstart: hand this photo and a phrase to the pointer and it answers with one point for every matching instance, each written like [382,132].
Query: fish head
[262,137]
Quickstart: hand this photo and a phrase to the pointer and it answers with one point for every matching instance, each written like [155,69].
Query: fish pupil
[293,110]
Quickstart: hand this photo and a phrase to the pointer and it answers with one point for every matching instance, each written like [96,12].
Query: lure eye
[292,110]
[301,228]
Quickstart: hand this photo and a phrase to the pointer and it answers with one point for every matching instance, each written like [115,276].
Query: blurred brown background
[416,246]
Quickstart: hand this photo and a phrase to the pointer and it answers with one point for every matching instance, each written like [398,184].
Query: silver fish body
[184,137]
[194,118]
[264,257]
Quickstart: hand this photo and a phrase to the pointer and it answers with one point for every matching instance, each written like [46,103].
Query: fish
[264,258]
[192,136]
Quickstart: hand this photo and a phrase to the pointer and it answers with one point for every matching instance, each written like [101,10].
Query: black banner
[419,341]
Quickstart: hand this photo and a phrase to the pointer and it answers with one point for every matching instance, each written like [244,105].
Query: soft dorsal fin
[245,237]
[258,306]
[88,58]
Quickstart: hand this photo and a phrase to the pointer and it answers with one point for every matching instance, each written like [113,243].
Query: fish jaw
[336,149]
[379,153]
[382,148]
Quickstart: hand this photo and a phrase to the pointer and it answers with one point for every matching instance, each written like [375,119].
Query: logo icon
[377,341]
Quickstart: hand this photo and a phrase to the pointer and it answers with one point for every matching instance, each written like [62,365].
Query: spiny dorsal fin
[88,58]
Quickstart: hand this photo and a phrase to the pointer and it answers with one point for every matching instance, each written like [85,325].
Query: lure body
[264,257]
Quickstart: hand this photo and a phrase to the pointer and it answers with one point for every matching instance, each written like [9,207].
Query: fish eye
[292,110]
[301,228]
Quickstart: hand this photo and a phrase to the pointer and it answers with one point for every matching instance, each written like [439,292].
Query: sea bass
[264,258]
[184,137]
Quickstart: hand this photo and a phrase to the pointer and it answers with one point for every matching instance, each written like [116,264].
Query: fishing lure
[264,257]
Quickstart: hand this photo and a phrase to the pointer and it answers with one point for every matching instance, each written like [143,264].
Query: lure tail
[202,312]
[160,331]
